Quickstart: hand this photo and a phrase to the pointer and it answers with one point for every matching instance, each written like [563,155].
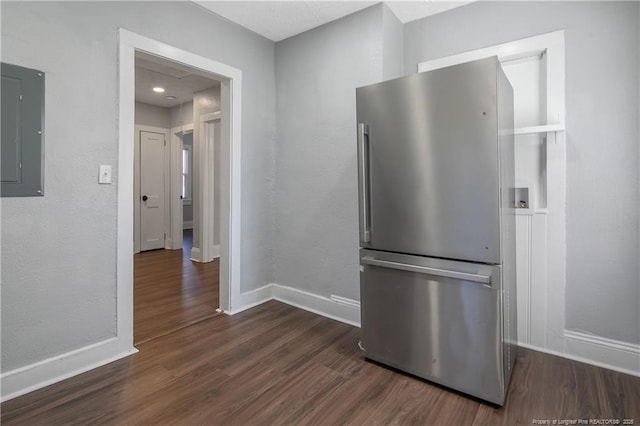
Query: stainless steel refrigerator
[437,226]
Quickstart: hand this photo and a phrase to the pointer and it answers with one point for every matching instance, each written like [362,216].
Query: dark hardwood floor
[275,364]
[171,291]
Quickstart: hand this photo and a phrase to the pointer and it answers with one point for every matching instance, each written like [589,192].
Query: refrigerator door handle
[363,182]
[483,279]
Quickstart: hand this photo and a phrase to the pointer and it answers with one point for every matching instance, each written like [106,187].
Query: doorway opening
[216,120]
[176,145]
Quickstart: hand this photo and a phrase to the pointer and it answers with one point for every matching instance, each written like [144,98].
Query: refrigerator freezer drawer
[437,319]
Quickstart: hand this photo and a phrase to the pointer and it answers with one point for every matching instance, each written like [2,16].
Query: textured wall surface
[602,69]
[316,207]
[182,114]
[59,251]
[392,45]
[152,115]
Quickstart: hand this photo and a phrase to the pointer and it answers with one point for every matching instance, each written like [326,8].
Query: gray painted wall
[59,251]
[316,210]
[152,115]
[182,114]
[602,69]
[392,45]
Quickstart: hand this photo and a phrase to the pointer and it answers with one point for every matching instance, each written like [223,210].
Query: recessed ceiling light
[171,98]
[158,89]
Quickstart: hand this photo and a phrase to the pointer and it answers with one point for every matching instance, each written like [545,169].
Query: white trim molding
[51,370]
[603,352]
[176,205]
[204,184]
[195,255]
[598,351]
[335,307]
[594,350]
[231,196]
[253,298]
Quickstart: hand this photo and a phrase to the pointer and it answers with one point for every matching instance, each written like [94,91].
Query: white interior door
[152,203]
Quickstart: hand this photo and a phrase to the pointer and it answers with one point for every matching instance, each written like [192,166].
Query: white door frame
[206,156]
[231,96]
[207,251]
[176,205]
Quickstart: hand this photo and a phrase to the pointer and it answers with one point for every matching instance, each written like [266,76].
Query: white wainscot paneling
[531,264]
[539,280]
[523,273]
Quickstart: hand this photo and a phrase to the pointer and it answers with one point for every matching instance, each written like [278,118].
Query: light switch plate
[105,174]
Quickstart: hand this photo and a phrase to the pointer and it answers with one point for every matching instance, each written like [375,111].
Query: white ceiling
[407,11]
[277,20]
[177,80]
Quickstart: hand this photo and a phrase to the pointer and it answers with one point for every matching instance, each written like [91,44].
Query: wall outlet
[105,174]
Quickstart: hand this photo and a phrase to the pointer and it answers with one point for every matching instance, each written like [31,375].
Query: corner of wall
[392,45]
[334,307]
[273,177]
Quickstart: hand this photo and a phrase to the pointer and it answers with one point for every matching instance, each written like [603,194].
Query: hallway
[171,291]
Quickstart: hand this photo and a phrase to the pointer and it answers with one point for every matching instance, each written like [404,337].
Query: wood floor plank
[171,291]
[403,396]
[622,398]
[276,407]
[525,396]
[278,365]
[237,396]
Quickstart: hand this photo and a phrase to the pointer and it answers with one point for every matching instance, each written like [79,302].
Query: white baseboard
[611,354]
[334,307]
[253,298]
[195,254]
[187,224]
[51,370]
[599,351]
[603,352]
